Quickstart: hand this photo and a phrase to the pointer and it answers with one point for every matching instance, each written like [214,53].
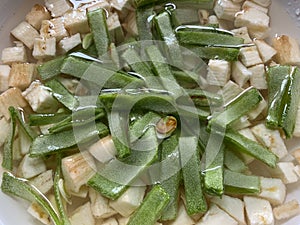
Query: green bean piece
[203,4]
[59,202]
[187,79]
[61,94]
[207,38]
[277,77]
[16,119]
[118,125]
[166,33]
[97,22]
[151,208]
[78,118]
[21,188]
[98,74]
[182,16]
[112,184]
[144,22]
[214,169]
[234,162]
[240,106]
[239,142]
[283,87]
[46,119]
[228,54]
[140,126]
[170,176]
[57,142]
[50,68]
[140,99]
[7,162]
[200,98]
[190,163]
[162,69]
[238,183]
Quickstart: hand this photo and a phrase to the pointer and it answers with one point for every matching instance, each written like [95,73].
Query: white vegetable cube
[83,215]
[77,170]
[296,154]
[233,206]
[182,217]
[97,5]
[251,4]
[256,21]
[297,170]
[260,109]
[273,190]
[288,51]
[285,171]
[218,72]
[76,21]
[4,75]
[242,32]
[271,139]
[37,14]
[258,78]
[43,182]
[99,205]
[266,52]
[31,167]
[129,201]
[104,150]
[226,9]
[11,97]
[40,99]
[110,221]
[57,7]
[250,56]
[39,213]
[264,3]
[4,131]
[121,5]
[68,43]
[25,33]
[54,28]
[44,48]
[258,211]
[229,91]
[240,73]
[14,54]
[212,19]
[287,210]
[215,215]
[21,75]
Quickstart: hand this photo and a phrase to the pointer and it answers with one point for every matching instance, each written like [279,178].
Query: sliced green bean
[238,183]
[233,162]
[50,68]
[46,119]
[207,38]
[61,93]
[54,143]
[240,106]
[21,188]
[228,54]
[151,208]
[111,184]
[97,22]
[98,74]
[170,176]
[166,33]
[190,163]
[144,22]
[240,143]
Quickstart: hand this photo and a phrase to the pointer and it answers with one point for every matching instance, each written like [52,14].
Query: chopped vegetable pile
[146,112]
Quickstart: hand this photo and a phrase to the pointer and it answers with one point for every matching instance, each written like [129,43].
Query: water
[293,9]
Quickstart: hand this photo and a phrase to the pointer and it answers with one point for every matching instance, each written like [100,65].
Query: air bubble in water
[297,12]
